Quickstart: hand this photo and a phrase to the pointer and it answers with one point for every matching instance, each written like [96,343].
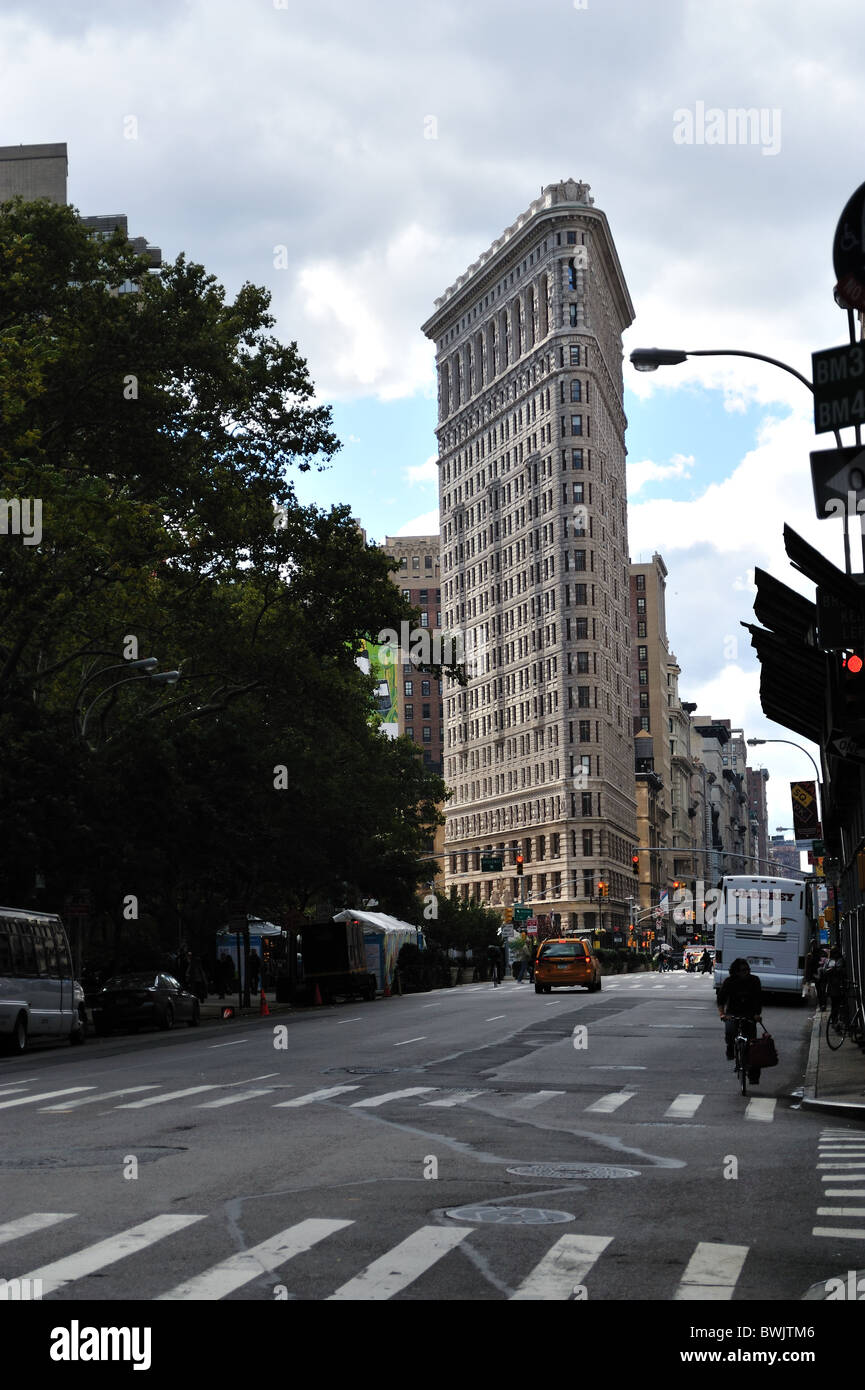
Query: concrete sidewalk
[834,1081]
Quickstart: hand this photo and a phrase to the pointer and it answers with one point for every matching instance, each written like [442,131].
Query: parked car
[146,998]
[563,962]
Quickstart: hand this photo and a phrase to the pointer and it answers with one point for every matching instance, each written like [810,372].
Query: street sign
[843,746]
[491,863]
[804,798]
[841,627]
[839,387]
[522,914]
[838,480]
[848,251]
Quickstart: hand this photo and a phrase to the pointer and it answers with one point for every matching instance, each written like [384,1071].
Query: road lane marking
[237,1042]
[406,1041]
[841,1165]
[391,1095]
[760,1108]
[536,1098]
[46,1095]
[342,1021]
[843,1231]
[841,1211]
[313,1096]
[711,1273]
[91,1100]
[240,1269]
[170,1095]
[607,1104]
[495,1018]
[36,1221]
[402,1265]
[107,1252]
[684,1106]
[566,1264]
[234,1099]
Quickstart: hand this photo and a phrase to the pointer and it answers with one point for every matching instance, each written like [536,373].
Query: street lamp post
[754,742]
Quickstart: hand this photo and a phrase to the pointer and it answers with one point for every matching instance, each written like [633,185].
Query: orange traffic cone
[264,1011]
[317,999]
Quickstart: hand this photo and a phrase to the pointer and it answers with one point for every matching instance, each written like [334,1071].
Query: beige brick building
[539,750]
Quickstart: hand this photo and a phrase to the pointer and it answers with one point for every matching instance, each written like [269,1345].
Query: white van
[38,996]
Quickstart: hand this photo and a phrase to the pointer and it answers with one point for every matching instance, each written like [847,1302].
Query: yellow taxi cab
[563,962]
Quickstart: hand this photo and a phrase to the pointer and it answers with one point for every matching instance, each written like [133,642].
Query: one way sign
[838,478]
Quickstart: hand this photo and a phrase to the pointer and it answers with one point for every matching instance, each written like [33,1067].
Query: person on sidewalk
[741,996]
[254,971]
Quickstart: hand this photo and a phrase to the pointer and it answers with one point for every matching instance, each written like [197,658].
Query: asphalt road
[466,1144]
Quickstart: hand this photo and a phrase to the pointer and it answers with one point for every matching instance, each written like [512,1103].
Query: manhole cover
[573,1170]
[509,1216]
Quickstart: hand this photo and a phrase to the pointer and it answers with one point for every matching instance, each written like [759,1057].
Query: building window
[415,562]
[424,619]
[576,458]
[582,663]
[643,676]
[586,803]
[642,653]
[583,693]
[427,734]
[425,712]
[641,629]
[409,732]
[576,390]
[644,699]
[575,355]
[409,711]
[572,238]
[582,629]
[572,315]
[427,562]
[580,595]
[408,687]
[641,582]
[576,424]
[586,764]
[424,688]
[406,593]
[585,731]
[579,559]
[579,490]
[641,605]
[588,838]
[588,883]
[403,562]
[644,723]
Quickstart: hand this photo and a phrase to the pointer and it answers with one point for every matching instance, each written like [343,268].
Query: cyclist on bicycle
[741,997]
[494,963]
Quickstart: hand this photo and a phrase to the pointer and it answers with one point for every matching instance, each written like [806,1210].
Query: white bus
[766,921]
[38,996]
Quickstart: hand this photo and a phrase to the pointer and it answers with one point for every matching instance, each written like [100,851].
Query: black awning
[794,680]
[782,610]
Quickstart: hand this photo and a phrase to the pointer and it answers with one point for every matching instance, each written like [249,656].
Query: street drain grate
[573,1170]
[510,1216]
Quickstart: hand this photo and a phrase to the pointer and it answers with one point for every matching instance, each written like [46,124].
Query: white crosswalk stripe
[234,1099]
[567,1264]
[760,1108]
[312,1096]
[92,1100]
[46,1095]
[372,1101]
[242,1268]
[711,1273]
[561,1272]
[684,1106]
[161,1100]
[606,1105]
[403,1265]
[452,1100]
[93,1258]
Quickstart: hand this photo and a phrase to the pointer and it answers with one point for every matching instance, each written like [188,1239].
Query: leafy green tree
[158,430]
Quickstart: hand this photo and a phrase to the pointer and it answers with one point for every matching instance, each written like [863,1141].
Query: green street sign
[491,864]
[522,914]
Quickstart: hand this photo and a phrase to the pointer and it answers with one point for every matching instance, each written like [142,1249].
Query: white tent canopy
[384,937]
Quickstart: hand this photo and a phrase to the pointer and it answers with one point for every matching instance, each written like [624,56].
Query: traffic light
[509,914]
[519,864]
[635,863]
[677,883]
[603,888]
[848,712]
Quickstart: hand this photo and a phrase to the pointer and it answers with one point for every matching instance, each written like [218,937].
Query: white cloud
[425,525]
[424,473]
[644,471]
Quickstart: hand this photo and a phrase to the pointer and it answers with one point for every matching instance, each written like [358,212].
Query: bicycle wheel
[741,1064]
[836,1032]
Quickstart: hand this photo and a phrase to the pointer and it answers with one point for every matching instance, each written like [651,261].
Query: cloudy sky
[357,158]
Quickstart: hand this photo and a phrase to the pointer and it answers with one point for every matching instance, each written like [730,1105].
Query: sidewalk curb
[809,1099]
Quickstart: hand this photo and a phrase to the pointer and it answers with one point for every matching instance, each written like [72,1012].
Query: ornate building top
[566,191]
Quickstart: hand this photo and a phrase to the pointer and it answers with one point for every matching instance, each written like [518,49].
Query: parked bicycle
[841,1024]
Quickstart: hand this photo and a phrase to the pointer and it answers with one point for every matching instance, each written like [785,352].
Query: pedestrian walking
[254,971]
[494,963]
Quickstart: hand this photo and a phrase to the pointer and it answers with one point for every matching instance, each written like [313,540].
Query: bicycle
[839,1026]
[741,1043]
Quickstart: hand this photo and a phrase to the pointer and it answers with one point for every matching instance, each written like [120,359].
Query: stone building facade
[539,751]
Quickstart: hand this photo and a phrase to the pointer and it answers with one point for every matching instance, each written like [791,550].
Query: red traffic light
[853,663]
[635,863]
